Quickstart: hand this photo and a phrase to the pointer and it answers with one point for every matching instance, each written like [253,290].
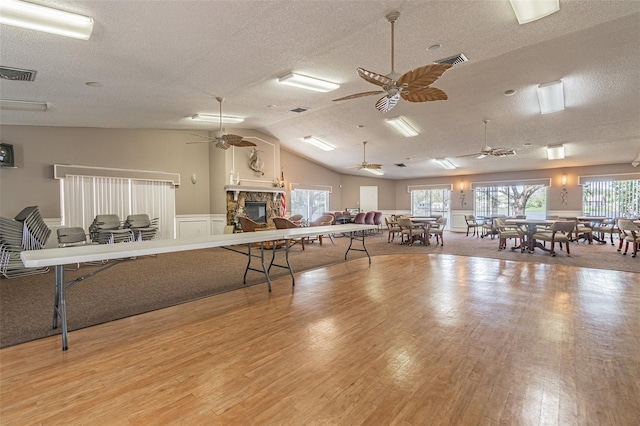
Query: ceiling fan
[364,164]
[412,86]
[488,151]
[225,141]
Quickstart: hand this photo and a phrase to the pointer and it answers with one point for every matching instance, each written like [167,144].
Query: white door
[368,198]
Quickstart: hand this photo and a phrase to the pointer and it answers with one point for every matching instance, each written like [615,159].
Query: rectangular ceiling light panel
[551,97]
[555,152]
[216,118]
[40,18]
[401,125]
[376,172]
[8,105]
[445,164]
[531,10]
[309,83]
[318,143]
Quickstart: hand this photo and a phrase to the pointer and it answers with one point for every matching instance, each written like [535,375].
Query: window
[511,200]
[611,198]
[310,203]
[427,202]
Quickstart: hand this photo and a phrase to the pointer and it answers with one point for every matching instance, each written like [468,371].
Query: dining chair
[359,218]
[607,226]
[296,218]
[393,230]
[630,233]
[282,223]
[507,231]
[324,220]
[249,225]
[412,230]
[472,223]
[437,229]
[559,232]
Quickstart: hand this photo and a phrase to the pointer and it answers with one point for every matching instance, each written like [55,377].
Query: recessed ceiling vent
[7,73]
[400,165]
[300,109]
[453,60]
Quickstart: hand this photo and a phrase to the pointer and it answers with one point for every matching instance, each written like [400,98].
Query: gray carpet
[150,283]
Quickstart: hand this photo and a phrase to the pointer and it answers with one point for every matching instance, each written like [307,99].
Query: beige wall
[302,171]
[38,148]
[574,198]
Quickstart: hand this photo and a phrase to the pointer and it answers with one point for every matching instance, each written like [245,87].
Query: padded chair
[71,237]
[108,229]
[630,233]
[393,230]
[360,218]
[608,226]
[559,232]
[324,220]
[282,223]
[249,225]
[437,229]
[472,223]
[413,231]
[506,231]
[583,230]
[143,228]
[377,220]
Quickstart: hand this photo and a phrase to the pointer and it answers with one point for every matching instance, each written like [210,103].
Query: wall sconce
[461,185]
[564,180]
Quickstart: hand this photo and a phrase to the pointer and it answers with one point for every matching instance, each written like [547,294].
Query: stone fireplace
[238,196]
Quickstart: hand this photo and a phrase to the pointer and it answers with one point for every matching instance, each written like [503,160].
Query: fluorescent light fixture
[402,126]
[22,105]
[551,97]
[40,18]
[216,118]
[309,83]
[318,143]
[530,10]
[555,152]
[376,172]
[445,164]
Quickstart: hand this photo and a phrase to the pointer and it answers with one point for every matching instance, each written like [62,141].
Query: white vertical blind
[84,197]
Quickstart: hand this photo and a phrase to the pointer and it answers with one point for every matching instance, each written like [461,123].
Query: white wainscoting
[458,224]
[196,225]
[564,213]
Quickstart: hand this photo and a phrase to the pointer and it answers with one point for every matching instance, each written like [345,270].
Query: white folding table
[59,257]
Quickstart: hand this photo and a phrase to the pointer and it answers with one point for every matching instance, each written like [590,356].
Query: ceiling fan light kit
[551,97]
[211,118]
[222,140]
[318,143]
[555,152]
[445,163]
[40,18]
[531,10]
[309,83]
[401,125]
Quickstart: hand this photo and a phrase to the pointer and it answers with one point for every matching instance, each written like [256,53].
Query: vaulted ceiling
[159,63]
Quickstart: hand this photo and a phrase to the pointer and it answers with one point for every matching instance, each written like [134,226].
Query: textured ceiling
[160,62]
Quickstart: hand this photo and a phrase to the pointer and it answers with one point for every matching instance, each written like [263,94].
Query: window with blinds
[310,203]
[427,202]
[511,200]
[612,198]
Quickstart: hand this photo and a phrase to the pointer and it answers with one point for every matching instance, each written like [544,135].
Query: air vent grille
[453,60]
[7,73]
[300,109]
[400,165]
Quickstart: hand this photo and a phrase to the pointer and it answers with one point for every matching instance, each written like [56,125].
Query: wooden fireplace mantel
[237,189]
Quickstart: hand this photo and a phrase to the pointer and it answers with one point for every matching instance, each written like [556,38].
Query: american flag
[283,205]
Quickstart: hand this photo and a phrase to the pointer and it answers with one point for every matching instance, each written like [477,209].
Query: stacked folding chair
[142,227]
[27,231]
[108,229]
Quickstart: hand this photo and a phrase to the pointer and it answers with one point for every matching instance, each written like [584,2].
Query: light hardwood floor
[413,339]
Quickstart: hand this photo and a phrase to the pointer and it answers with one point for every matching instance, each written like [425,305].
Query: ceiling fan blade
[375,78]
[222,145]
[471,155]
[359,95]
[502,152]
[241,143]
[374,166]
[423,76]
[426,94]
[386,103]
